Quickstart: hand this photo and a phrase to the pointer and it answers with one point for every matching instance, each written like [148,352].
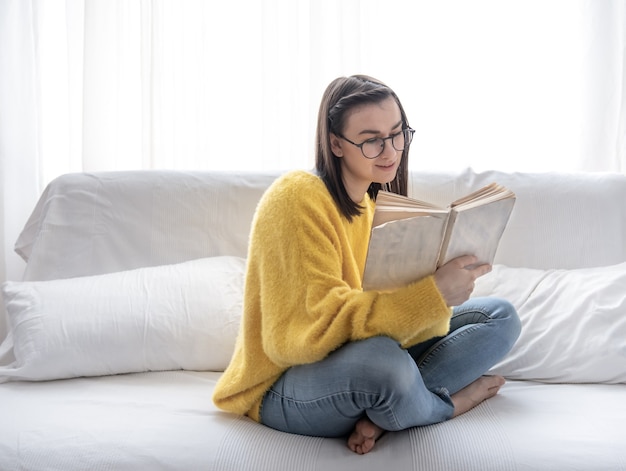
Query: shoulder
[297,202]
[298,181]
[297,189]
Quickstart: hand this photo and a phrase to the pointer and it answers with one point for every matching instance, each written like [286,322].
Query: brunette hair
[341,96]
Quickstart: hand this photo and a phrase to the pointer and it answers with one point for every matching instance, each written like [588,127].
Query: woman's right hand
[456,278]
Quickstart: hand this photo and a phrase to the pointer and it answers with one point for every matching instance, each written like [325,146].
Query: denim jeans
[396,388]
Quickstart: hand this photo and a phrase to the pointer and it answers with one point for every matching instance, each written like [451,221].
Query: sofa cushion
[573,323]
[560,220]
[94,223]
[181,316]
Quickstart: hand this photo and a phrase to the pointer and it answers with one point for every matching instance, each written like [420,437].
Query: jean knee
[506,315]
[499,313]
[384,362]
[515,324]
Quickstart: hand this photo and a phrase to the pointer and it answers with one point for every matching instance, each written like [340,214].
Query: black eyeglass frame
[408,138]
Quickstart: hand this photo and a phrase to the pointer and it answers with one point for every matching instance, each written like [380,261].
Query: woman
[317,355]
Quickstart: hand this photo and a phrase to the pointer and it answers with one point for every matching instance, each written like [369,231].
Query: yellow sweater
[303,296]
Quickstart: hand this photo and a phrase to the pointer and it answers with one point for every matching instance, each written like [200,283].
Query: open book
[411,238]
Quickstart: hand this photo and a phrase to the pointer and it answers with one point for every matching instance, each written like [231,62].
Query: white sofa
[129,273]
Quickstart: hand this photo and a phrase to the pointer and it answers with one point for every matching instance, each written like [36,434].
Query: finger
[465,260]
[481,270]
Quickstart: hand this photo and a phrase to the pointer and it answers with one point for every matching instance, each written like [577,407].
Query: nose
[388,149]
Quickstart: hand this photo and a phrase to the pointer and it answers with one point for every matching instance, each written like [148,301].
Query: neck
[356,192]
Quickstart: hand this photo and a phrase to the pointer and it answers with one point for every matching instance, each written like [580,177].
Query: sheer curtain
[525,85]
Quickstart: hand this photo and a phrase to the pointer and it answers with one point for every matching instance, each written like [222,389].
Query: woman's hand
[456,278]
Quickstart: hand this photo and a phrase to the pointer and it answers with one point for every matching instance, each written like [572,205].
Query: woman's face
[378,120]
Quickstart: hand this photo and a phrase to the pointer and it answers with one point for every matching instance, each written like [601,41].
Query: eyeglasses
[372,148]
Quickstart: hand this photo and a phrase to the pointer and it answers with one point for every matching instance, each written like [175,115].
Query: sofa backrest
[560,220]
[94,223]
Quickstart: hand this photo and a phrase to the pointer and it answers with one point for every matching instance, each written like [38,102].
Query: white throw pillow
[182,316]
[573,323]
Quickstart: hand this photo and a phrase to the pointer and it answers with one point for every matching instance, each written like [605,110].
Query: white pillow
[183,316]
[573,323]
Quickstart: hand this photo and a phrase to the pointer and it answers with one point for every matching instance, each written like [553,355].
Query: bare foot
[472,395]
[364,436]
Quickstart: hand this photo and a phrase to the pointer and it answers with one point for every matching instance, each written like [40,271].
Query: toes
[363,437]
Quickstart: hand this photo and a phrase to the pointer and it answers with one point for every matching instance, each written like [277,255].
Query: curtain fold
[604,95]
[527,85]
[20,128]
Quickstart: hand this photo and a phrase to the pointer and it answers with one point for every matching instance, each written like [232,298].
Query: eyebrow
[372,131]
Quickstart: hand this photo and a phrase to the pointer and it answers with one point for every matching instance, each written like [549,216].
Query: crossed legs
[365,388]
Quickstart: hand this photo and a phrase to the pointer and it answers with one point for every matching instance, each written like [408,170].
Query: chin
[386,174]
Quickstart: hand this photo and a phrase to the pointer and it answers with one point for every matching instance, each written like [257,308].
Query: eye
[373,140]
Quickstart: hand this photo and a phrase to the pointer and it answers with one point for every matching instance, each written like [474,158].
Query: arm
[309,285]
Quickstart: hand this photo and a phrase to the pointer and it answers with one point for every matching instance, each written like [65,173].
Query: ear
[335,145]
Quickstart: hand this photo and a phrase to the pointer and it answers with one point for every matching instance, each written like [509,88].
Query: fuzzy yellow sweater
[303,296]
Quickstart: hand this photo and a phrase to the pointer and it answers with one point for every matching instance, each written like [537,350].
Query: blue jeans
[394,387]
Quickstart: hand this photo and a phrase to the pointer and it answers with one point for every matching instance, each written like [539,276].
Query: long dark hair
[341,96]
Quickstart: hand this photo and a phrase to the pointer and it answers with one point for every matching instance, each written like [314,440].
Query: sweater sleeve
[310,284]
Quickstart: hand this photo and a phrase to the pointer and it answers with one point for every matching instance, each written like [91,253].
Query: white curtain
[92,85]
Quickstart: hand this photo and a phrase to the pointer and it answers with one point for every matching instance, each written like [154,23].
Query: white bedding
[166,421]
[85,226]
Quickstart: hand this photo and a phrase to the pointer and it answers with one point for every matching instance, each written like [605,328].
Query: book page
[484,195]
[391,206]
[386,199]
[382,216]
[476,231]
[403,251]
